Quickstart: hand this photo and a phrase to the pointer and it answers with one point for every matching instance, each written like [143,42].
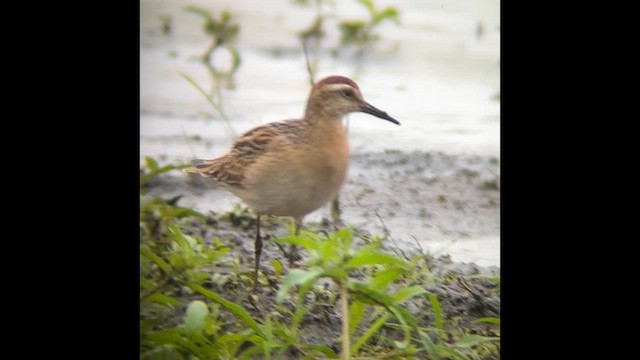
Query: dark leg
[293,250]
[297,226]
[336,212]
[258,250]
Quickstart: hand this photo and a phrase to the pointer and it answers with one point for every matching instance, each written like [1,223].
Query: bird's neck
[324,129]
[319,110]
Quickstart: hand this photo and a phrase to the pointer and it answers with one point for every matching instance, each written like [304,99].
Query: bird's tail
[201,166]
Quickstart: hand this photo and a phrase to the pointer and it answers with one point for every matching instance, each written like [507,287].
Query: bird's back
[282,168]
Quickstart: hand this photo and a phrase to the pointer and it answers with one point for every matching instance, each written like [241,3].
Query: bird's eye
[348,94]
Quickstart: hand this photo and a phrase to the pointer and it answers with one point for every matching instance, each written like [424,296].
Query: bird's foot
[292,255]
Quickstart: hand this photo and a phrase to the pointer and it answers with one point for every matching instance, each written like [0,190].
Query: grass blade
[199,11]
[162,299]
[151,163]
[314,349]
[180,212]
[355,315]
[298,316]
[369,333]
[366,295]
[489,320]
[451,353]
[437,311]
[407,293]
[345,234]
[277,267]
[383,278]
[473,340]
[200,90]
[234,308]
[429,346]
[297,277]
[181,338]
[181,239]
[403,319]
[363,258]
[369,5]
[306,243]
[266,345]
[166,268]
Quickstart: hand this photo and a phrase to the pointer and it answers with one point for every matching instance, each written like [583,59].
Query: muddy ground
[390,194]
[426,201]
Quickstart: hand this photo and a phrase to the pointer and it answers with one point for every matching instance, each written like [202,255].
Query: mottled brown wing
[230,169]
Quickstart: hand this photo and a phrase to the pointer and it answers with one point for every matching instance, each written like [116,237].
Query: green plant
[334,258]
[152,169]
[165,24]
[361,33]
[373,287]
[437,348]
[174,276]
[222,33]
[311,37]
[173,270]
[182,317]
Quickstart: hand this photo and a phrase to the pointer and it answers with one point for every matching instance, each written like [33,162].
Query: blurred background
[210,70]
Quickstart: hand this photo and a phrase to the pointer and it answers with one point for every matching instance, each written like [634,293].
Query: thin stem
[258,251]
[217,94]
[308,62]
[346,345]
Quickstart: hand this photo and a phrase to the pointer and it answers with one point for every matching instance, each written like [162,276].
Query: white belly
[295,185]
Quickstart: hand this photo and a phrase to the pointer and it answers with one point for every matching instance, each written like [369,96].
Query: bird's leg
[293,250]
[258,250]
[298,224]
[336,212]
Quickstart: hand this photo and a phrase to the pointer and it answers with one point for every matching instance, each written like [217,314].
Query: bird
[292,167]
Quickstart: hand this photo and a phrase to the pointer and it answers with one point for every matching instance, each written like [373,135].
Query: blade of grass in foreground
[437,312]
[200,89]
[374,258]
[181,338]
[472,340]
[156,260]
[367,335]
[489,320]
[306,243]
[216,105]
[318,348]
[234,308]
[428,344]
[407,293]
[297,277]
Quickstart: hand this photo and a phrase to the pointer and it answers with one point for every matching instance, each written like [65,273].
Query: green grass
[222,31]
[188,311]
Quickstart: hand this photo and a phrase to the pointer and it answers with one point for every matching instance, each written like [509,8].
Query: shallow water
[434,72]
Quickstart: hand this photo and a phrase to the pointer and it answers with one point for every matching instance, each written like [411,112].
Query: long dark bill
[370,109]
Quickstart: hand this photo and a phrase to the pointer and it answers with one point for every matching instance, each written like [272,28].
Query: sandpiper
[292,167]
